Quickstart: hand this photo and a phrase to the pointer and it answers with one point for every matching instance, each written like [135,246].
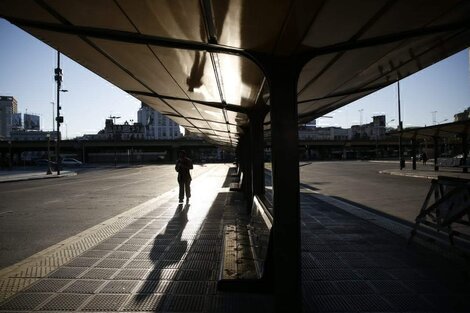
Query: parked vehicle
[70,162]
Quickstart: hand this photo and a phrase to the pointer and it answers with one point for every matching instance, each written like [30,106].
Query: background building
[463,116]
[8,107]
[156,125]
[374,130]
[31,122]
[124,131]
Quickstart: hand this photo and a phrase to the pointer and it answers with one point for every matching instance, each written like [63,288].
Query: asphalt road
[359,182]
[35,215]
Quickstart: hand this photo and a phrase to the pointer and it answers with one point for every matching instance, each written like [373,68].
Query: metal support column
[257,150]
[465,152]
[413,152]
[436,152]
[247,169]
[282,77]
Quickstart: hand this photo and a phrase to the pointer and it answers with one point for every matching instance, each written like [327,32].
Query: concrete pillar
[282,77]
[413,152]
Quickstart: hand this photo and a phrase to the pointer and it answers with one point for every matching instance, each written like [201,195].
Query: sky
[27,67]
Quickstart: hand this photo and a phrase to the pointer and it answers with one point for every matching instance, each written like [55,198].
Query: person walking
[183,166]
[424,156]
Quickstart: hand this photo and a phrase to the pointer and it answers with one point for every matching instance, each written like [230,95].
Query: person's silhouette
[183,166]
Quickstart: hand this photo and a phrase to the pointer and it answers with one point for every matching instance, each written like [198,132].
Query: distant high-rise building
[17,123]
[157,125]
[8,107]
[31,121]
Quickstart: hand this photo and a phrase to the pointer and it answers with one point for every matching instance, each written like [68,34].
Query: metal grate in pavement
[189,287]
[389,286]
[329,304]
[25,301]
[209,236]
[82,262]
[240,303]
[407,302]
[361,263]
[121,255]
[155,286]
[48,285]
[199,265]
[354,287]
[65,302]
[368,303]
[137,241]
[106,246]
[329,264]
[155,247]
[319,288]
[147,264]
[149,255]
[173,256]
[111,263]
[328,274]
[145,235]
[114,240]
[177,303]
[119,286]
[408,274]
[126,247]
[95,253]
[165,274]
[132,274]
[100,273]
[204,256]
[68,272]
[194,275]
[145,302]
[170,264]
[105,303]
[124,234]
[374,274]
[84,286]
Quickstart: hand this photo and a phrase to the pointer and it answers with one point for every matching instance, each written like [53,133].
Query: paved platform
[164,257]
[427,172]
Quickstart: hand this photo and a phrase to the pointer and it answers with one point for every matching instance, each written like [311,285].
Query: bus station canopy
[201,62]
[454,129]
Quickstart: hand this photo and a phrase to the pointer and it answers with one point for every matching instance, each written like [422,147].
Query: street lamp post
[114,118]
[59,119]
[49,172]
[400,128]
